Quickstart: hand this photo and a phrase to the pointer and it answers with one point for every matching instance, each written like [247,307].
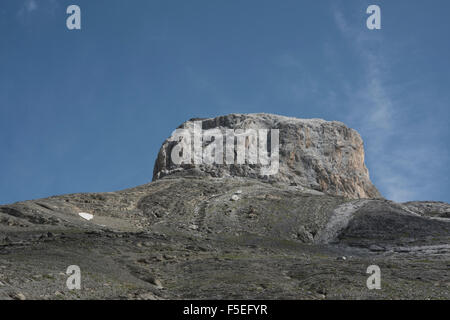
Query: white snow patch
[86,216]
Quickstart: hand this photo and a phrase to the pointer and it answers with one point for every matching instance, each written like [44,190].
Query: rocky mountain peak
[326,156]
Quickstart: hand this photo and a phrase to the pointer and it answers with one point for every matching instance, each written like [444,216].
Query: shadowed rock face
[326,156]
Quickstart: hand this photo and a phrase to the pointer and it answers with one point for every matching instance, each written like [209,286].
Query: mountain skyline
[87,110]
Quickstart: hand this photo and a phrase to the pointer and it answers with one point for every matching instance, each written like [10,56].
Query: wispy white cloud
[376,109]
[399,161]
[27,7]
[30,7]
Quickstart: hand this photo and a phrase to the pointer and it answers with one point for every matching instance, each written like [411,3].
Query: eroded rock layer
[322,155]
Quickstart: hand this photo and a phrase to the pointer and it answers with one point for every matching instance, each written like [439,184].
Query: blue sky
[87,110]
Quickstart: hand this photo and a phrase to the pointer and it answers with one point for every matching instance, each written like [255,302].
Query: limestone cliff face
[322,155]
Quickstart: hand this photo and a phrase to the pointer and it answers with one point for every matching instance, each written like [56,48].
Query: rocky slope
[224,233]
